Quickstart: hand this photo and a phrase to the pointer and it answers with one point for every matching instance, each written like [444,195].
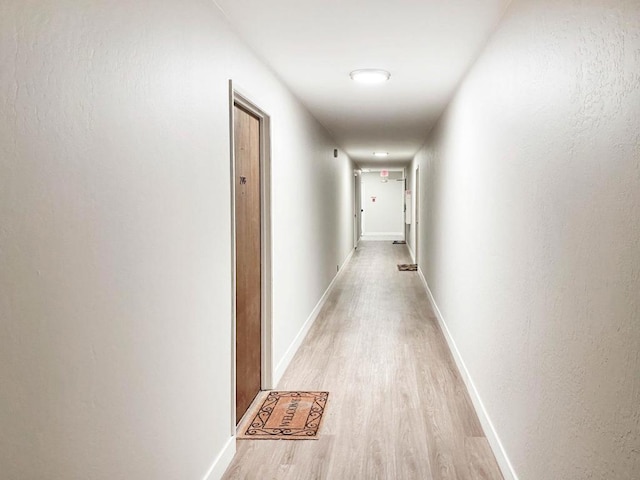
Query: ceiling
[427,45]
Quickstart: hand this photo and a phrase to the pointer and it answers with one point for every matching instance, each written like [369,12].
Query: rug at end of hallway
[284,416]
[408,267]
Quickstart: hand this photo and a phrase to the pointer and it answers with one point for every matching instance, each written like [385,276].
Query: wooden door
[248,258]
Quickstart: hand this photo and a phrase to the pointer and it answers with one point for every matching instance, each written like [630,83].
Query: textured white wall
[530,238]
[115,284]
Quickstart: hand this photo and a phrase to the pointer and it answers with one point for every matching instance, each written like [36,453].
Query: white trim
[232,177]
[382,236]
[492,436]
[222,461]
[295,345]
[344,264]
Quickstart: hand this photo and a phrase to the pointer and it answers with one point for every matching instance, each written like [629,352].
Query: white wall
[383,217]
[115,291]
[530,238]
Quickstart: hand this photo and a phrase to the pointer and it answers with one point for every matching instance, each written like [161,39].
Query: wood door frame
[236,97]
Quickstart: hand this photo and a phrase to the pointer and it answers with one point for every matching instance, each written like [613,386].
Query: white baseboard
[222,461]
[492,436]
[295,345]
[383,236]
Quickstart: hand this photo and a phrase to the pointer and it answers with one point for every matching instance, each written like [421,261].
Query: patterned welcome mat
[285,416]
[408,267]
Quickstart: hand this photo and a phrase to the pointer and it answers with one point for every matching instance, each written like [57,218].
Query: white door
[383,207]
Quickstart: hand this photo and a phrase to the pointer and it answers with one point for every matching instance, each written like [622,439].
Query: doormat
[285,416]
[407,267]
[399,242]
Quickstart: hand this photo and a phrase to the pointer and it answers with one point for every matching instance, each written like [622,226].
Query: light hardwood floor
[397,406]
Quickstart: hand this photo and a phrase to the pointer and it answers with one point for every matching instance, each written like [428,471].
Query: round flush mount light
[380,154]
[370,76]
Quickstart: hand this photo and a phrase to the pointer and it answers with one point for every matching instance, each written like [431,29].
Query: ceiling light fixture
[380,154]
[370,76]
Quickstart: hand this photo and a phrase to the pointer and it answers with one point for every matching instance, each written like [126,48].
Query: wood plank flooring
[397,406]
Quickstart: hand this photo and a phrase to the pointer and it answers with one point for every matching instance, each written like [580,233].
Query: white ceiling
[427,45]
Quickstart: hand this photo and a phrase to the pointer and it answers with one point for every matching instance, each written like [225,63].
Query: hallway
[397,406]
[511,125]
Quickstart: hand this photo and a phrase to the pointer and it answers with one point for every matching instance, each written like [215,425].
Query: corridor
[499,138]
[397,406]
